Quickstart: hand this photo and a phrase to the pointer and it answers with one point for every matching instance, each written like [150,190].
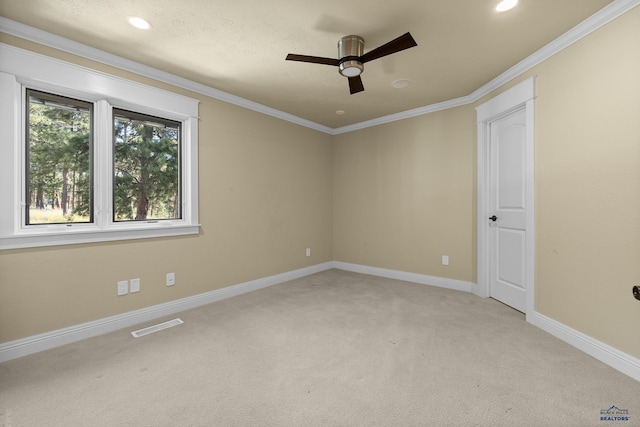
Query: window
[146,167]
[58,146]
[89,157]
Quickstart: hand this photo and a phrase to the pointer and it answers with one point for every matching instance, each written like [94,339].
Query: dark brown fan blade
[355,85]
[313,59]
[403,42]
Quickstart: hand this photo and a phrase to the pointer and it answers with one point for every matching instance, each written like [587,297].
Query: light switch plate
[123,287]
[171,279]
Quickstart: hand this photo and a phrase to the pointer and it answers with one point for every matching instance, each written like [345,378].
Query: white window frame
[21,69]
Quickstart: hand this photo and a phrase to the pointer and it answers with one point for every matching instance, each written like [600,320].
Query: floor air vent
[156,328]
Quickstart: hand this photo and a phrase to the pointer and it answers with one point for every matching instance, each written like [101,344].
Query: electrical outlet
[308,251]
[134,285]
[445,260]
[171,279]
[123,287]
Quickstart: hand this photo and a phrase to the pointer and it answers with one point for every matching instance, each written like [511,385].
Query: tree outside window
[59,151]
[91,157]
[146,165]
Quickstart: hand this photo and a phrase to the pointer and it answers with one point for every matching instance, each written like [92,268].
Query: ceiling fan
[351,62]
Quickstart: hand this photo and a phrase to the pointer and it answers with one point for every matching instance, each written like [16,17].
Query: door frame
[521,96]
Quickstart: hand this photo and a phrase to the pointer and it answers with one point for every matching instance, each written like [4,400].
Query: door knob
[493,218]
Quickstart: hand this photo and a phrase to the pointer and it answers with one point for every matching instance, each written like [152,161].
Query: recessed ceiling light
[137,22]
[400,83]
[505,5]
[340,112]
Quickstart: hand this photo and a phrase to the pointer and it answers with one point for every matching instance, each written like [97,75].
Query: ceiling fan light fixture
[350,49]
[351,68]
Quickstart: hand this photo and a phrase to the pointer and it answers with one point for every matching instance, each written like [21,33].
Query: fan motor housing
[350,49]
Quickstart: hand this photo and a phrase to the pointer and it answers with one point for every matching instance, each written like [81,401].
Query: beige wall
[404,192]
[404,195]
[588,184]
[396,196]
[265,196]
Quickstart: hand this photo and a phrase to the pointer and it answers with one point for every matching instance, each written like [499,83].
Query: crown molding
[445,105]
[602,17]
[51,40]
[586,27]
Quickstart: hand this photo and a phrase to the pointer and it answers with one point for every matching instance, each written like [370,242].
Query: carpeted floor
[332,349]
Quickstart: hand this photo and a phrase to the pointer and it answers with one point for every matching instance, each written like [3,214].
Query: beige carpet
[332,349]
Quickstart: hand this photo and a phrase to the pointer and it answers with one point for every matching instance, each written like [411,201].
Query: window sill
[93,236]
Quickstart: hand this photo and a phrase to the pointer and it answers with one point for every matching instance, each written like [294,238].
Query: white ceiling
[239,46]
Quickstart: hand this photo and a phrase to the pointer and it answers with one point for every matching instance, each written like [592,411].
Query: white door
[507,210]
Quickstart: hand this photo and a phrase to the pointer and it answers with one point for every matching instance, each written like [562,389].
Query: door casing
[521,96]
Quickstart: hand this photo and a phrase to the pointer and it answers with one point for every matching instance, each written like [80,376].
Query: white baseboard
[618,360]
[29,345]
[441,282]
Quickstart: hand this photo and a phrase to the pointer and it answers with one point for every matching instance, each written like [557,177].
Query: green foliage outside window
[146,183]
[59,181]
[146,163]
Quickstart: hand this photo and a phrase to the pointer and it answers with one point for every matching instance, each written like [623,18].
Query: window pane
[146,182]
[58,156]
